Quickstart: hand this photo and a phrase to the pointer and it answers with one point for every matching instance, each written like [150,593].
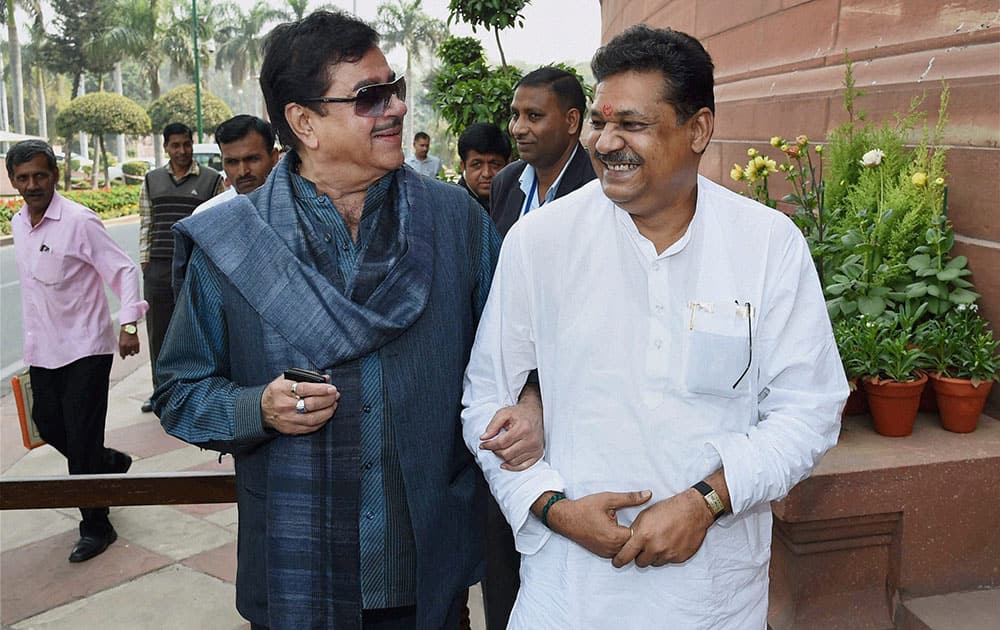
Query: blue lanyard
[531,195]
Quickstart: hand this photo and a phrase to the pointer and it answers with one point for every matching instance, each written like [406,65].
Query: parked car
[116,172]
[208,155]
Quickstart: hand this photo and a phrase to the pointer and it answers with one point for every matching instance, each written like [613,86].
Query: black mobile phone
[303,376]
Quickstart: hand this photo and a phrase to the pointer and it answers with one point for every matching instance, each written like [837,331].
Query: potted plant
[962,353]
[848,333]
[894,381]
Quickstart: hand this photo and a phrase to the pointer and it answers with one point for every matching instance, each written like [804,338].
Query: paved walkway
[172,566]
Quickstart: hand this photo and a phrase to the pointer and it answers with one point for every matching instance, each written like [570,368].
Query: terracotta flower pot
[959,402]
[894,404]
[856,404]
[928,399]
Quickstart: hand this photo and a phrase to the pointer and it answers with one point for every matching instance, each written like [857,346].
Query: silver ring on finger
[295,391]
[300,406]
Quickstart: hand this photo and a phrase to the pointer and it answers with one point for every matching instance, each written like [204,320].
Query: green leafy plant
[465,90]
[178,105]
[961,345]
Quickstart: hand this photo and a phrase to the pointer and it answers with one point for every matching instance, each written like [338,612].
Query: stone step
[970,610]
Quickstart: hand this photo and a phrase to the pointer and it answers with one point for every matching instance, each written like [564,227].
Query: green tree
[404,23]
[495,15]
[241,40]
[34,10]
[177,44]
[467,90]
[298,9]
[139,34]
[178,105]
[78,44]
[102,113]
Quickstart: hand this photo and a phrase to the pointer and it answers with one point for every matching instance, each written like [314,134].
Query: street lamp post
[197,66]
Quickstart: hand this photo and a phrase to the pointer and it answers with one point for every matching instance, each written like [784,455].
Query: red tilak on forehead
[607,109]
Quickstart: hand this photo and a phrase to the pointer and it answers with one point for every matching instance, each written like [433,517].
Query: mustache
[393,123]
[618,157]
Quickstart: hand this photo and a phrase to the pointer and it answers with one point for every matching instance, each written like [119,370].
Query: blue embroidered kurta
[204,402]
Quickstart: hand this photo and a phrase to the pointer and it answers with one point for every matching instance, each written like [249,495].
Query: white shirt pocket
[48,268]
[718,353]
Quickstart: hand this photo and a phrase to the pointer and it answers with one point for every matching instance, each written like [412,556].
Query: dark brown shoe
[89,546]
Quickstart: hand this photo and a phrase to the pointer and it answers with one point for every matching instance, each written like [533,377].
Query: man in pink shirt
[64,256]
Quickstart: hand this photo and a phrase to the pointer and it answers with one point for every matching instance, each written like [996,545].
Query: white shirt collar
[529,185]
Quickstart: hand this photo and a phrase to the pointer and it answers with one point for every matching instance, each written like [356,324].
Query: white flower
[872,158]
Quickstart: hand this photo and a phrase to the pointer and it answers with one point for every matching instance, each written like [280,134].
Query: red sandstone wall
[779,71]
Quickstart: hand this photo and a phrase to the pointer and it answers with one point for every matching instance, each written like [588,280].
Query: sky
[554,30]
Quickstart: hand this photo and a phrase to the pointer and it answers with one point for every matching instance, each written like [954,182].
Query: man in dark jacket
[546,116]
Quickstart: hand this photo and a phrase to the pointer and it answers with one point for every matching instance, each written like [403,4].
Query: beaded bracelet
[557,496]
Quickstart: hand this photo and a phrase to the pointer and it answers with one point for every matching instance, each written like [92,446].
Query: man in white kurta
[680,335]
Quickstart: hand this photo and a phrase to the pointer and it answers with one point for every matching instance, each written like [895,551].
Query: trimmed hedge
[107,203]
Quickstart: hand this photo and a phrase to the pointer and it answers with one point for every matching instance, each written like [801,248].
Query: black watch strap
[712,499]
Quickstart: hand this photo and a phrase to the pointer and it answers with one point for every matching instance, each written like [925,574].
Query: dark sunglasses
[371,101]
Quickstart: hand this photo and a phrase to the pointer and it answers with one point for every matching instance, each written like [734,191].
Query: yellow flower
[751,152]
[776,141]
[819,148]
[919,179]
[758,161]
[939,181]
[802,140]
[737,173]
[771,165]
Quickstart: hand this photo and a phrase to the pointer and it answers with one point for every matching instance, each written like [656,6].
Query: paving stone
[971,610]
[21,527]
[228,518]
[170,532]
[38,576]
[219,562]
[173,598]
[142,440]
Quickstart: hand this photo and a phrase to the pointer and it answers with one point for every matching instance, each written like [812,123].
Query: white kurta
[637,357]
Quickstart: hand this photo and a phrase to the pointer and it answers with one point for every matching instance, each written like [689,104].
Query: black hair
[176,129]
[25,151]
[299,57]
[483,138]
[563,84]
[686,66]
[239,127]
[421,135]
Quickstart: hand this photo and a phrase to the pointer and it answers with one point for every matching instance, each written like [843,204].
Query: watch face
[129,329]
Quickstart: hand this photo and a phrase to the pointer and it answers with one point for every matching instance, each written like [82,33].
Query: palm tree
[177,42]
[241,38]
[139,33]
[298,9]
[34,9]
[405,24]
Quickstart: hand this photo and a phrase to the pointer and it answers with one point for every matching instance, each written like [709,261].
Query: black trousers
[158,292]
[70,405]
[503,565]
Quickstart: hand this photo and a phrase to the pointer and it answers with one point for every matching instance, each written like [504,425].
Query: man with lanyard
[168,194]
[248,155]
[357,503]
[546,115]
[702,384]
[64,258]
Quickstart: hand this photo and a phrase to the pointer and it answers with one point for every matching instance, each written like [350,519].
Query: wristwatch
[712,498]
[130,329]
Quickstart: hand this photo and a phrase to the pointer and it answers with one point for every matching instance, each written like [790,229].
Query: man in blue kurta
[357,501]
